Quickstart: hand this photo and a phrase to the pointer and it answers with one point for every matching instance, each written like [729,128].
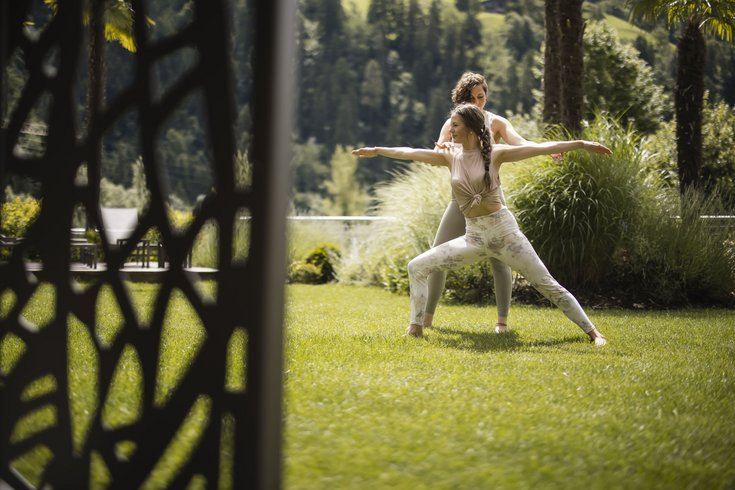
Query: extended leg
[516,251]
[452,226]
[455,253]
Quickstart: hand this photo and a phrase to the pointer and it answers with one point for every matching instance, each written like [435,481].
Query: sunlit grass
[365,407]
[540,407]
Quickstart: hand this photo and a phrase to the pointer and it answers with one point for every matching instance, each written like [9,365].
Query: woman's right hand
[367,152]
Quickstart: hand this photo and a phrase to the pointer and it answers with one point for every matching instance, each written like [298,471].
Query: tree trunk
[95,91]
[552,75]
[95,96]
[689,101]
[571,57]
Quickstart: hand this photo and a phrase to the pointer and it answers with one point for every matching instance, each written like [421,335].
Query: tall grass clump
[412,204]
[578,211]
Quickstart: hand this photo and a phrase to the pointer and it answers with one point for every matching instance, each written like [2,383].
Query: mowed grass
[365,407]
[539,407]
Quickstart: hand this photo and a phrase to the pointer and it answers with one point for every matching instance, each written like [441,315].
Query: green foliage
[317,267]
[309,172]
[379,82]
[394,275]
[17,215]
[243,171]
[714,17]
[675,256]
[617,81]
[301,272]
[118,196]
[346,195]
[522,35]
[324,258]
[718,153]
[471,284]
[601,224]
[577,212]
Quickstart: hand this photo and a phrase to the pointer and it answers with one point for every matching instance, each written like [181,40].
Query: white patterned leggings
[496,236]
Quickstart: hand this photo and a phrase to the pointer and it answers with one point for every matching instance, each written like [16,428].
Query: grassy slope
[492,22]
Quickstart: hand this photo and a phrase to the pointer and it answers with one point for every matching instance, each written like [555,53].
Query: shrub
[673,260]
[718,152]
[323,258]
[471,284]
[302,272]
[394,275]
[618,81]
[317,267]
[17,215]
[179,219]
[577,212]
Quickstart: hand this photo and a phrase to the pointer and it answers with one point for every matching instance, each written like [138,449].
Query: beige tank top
[468,180]
[489,116]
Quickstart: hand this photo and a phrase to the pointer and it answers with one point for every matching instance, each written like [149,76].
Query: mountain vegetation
[381,72]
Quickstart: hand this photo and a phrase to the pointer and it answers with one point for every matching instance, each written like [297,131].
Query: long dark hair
[474,119]
[462,92]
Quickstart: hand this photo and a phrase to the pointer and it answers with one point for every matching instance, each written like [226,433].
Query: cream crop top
[468,180]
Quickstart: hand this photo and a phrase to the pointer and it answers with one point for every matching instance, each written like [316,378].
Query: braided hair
[474,119]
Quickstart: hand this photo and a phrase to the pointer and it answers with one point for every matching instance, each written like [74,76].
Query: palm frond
[714,17]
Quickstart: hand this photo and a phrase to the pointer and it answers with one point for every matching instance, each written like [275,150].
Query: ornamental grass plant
[578,211]
[679,252]
[411,204]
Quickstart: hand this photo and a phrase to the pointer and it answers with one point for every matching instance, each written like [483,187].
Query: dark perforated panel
[239,441]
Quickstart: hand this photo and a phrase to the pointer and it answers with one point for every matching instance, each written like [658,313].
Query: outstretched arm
[507,153]
[503,128]
[432,157]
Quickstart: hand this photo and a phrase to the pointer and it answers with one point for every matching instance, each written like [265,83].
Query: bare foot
[414,330]
[428,320]
[597,338]
[501,327]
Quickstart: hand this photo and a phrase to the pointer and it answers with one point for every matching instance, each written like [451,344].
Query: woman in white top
[472,88]
[492,231]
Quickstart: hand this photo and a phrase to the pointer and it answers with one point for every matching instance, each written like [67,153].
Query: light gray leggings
[452,226]
[496,236]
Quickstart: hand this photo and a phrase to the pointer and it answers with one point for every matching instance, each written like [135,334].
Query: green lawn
[463,408]
[540,407]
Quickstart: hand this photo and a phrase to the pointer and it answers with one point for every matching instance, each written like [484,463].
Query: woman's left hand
[595,147]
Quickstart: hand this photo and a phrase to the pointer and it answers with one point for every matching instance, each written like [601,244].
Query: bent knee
[413,267]
[417,268]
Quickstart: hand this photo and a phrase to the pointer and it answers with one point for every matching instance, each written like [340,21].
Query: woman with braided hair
[491,230]
[472,88]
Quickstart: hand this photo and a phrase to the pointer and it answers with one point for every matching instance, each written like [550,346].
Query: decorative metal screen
[236,424]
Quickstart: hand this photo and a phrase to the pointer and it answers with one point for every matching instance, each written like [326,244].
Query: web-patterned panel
[238,428]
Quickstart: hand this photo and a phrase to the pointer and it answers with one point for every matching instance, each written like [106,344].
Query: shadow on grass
[487,341]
